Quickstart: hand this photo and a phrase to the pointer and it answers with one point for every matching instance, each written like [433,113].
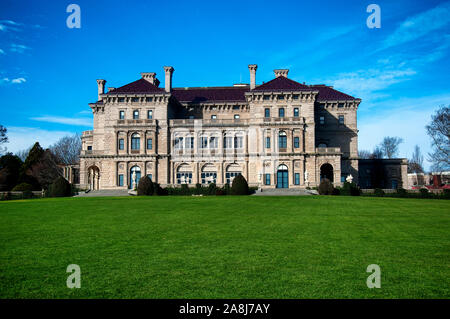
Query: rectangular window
[121,115]
[322,120]
[266,112]
[148,99]
[135,115]
[150,114]
[135,99]
[149,143]
[184,178]
[295,97]
[341,105]
[266,97]
[281,97]
[296,113]
[213,117]
[120,179]
[238,141]
[281,112]
[282,141]
[341,119]
[121,144]
[213,142]
[227,142]
[209,177]
[189,142]
[236,107]
[296,142]
[297,178]
[178,143]
[150,176]
[267,179]
[236,116]
[89,148]
[204,143]
[267,142]
[121,99]
[191,117]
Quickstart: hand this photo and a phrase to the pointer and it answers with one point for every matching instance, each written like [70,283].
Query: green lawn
[225,247]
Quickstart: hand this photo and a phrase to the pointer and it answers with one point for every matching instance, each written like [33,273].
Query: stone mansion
[279,134]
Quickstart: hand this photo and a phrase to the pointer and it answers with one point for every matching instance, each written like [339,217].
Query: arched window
[209,174]
[135,176]
[233,170]
[184,174]
[135,141]
[282,139]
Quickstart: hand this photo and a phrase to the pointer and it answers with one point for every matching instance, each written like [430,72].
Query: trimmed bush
[185,190]
[22,187]
[145,187]
[198,189]
[446,193]
[239,186]
[401,192]
[326,187]
[211,189]
[378,192]
[424,192]
[226,189]
[60,188]
[350,189]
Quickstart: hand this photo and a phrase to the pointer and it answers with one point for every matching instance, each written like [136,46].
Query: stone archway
[94,178]
[282,176]
[326,171]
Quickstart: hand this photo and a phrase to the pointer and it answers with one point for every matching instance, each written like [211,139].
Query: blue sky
[48,71]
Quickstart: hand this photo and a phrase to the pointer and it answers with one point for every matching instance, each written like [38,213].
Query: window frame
[281,112]
[134,114]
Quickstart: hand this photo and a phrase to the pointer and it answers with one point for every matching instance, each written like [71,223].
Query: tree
[377,153]
[415,164]
[239,186]
[60,188]
[364,154]
[10,166]
[145,187]
[389,146]
[23,154]
[3,138]
[439,131]
[67,149]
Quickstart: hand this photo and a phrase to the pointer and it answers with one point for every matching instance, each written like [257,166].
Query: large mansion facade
[279,134]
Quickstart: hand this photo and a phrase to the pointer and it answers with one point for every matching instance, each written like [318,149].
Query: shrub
[22,187]
[239,186]
[159,190]
[198,189]
[325,187]
[60,188]
[350,189]
[6,196]
[378,192]
[211,189]
[220,192]
[145,187]
[336,191]
[185,190]
[401,192]
[446,193]
[226,189]
[424,192]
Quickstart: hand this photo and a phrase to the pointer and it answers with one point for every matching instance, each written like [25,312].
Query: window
[297,178]
[134,99]
[191,117]
[121,99]
[189,142]
[341,105]
[204,143]
[322,145]
[341,119]
[394,184]
[135,115]
[296,142]
[296,112]
[149,143]
[150,176]
[209,177]
[343,178]
[266,179]
[236,107]
[282,140]
[213,117]
[121,144]
[267,142]
[236,116]
[281,112]
[238,141]
[89,148]
[266,97]
[227,142]
[295,97]
[281,97]
[322,120]
[266,112]
[213,142]
[230,176]
[120,182]
[184,178]
[150,114]
[121,115]
[135,142]
[178,143]
[148,99]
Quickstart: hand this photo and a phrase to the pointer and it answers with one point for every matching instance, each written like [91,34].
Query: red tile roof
[210,94]
[282,83]
[139,86]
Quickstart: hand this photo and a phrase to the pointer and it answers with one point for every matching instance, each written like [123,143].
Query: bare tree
[377,153]
[415,164]
[389,146]
[23,154]
[67,149]
[3,138]
[364,154]
[439,131]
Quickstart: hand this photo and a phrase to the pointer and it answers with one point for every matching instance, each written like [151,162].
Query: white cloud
[19,48]
[64,120]
[9,25]
[23,137]
[19,80]
[2,51]
[419,25]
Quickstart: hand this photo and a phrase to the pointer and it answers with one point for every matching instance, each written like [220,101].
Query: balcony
[328,150]
[284,120]
[136,122]
[209,122]
[87,133]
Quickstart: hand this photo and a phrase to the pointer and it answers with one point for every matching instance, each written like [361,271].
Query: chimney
[101,88]
[252,68]
[168,84]
[281,72]
[150,77]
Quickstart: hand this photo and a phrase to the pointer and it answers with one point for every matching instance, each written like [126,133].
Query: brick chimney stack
[281,72]
[168,84]
[101,88]
[252,68]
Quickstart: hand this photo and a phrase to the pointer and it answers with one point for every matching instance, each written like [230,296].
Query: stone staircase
[285,192]
[104,192]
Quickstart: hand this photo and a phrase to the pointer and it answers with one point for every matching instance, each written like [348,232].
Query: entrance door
[282,177]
